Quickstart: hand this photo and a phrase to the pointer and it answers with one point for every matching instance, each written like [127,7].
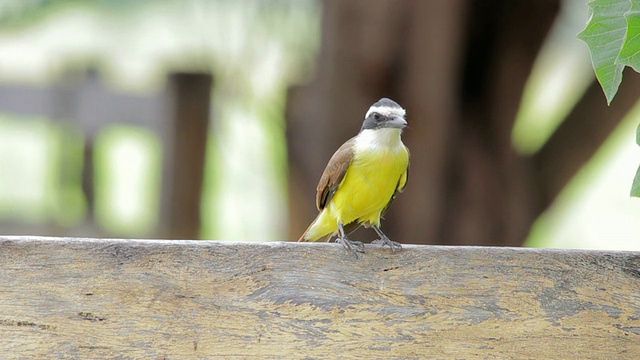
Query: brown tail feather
[322,238]
[302,239]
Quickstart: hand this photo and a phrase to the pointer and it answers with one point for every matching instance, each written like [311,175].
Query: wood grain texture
[148,299]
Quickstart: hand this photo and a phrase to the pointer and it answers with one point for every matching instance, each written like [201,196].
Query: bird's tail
[303,237]
[315,232]
[304,234]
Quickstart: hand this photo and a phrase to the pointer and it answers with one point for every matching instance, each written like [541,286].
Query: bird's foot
[352,245]
[393,245]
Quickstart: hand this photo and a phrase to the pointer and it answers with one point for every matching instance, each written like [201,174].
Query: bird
[362,178]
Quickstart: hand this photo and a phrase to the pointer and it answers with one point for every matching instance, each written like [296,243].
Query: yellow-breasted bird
[362,178]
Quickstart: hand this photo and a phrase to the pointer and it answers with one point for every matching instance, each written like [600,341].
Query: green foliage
[630,53]
[635,188]
[613,37]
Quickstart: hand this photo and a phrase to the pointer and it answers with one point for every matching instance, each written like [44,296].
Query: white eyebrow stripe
[386,111]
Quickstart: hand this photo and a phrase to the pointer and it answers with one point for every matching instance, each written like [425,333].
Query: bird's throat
[373,140]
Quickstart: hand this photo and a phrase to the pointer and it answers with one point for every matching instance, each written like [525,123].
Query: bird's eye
[376,116]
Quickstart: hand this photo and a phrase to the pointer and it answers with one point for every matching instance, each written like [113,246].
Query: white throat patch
[387,139]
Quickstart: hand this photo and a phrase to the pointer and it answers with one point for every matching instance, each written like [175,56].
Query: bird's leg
[355,246]
[384,240]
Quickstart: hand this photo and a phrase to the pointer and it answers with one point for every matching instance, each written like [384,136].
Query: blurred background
[214,119]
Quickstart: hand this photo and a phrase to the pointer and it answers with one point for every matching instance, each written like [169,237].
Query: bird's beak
[397,122]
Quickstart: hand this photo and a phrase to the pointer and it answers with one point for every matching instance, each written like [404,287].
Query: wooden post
[153,299]
[185,139]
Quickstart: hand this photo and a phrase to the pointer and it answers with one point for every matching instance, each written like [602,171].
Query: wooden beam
[154,299]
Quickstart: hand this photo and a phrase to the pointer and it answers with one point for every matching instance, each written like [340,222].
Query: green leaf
[605,35]
[630,53]
[635,188]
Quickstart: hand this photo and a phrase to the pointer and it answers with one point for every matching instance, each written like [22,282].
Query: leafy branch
[613,37]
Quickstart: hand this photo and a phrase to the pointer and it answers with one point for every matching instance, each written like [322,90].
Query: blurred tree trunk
[185,140]
[459,68]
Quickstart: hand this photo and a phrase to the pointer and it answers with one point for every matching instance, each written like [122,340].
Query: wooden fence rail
[151,299]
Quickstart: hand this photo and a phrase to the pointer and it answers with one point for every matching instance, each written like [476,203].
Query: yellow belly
[366,189]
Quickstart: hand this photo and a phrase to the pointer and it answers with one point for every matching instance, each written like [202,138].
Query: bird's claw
[393,245]
[352,245]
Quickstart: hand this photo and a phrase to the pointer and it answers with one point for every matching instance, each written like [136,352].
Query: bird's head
[385,113]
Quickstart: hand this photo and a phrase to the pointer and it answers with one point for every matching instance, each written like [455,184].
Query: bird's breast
[370,182]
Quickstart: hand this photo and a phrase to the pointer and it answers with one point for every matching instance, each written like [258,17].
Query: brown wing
[334,173]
